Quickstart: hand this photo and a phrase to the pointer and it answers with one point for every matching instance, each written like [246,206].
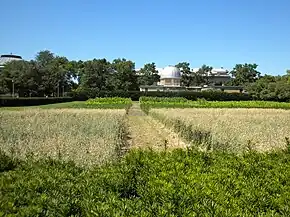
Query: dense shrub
[162,99]
[146,183]
[13,102]
[83,96]
[190,95]
[154,102]
[110,102]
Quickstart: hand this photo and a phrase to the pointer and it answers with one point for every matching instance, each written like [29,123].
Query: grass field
[85,136]
[236,129]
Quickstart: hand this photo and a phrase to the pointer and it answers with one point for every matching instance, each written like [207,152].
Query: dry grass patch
[261,129]
[146,132]
[83,135]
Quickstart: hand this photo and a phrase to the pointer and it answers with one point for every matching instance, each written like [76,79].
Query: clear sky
[213,32]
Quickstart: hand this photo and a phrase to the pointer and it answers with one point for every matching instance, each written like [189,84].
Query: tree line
[52,75]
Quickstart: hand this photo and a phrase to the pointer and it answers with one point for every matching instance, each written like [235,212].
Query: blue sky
[212,32]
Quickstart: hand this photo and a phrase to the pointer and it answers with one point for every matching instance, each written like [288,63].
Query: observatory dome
[170,72]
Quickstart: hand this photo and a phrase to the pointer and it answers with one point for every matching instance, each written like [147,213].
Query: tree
[93,74]
[270,88]
[148,75]
[203,74]
[45,57]
[187,76]
[46,75]
[20,76]
[288,76]
[54,72]
[124,75]
[244,74]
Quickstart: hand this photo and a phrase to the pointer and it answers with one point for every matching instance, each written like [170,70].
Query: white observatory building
[170,80]
[170,77]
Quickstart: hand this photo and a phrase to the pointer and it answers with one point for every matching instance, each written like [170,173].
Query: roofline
[11,56]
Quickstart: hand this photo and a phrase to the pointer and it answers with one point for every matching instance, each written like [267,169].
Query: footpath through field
[145,132]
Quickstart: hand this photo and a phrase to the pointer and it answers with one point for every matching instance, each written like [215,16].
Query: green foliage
[146,183]
[6,162]
[187,78]
[155,102]
[162,99]
[271,88]
[202,75]
[244,74]
[148,75]
[46,75]
[110,102]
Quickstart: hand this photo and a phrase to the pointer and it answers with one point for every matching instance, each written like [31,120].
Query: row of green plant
[147,183]
[152,102]
[145,99]
[109,102]
[190,95]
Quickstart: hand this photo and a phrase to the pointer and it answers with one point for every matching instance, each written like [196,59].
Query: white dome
[170,72]
[219,71]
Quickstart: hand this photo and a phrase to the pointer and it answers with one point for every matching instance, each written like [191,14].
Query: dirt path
[145,132]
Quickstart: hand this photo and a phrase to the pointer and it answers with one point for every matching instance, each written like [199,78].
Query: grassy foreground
[147,183]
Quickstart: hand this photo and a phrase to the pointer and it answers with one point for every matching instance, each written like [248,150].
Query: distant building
[6,58]
[170,78]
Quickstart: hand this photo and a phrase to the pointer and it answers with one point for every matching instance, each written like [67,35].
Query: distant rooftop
[4,59]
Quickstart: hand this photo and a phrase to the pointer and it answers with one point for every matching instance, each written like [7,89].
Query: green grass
[75,104]
[146,183]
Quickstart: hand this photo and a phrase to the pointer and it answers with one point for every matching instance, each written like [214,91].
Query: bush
[146,183]
[110,102]
[190,95]
[83,96]
[155,102]
[33,101]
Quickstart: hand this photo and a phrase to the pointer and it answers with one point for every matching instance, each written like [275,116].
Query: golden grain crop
[85,136]
[264,129]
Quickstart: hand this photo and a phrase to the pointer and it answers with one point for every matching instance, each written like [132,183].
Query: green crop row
[109,102]
[162,99]
[176,103]
[147,183]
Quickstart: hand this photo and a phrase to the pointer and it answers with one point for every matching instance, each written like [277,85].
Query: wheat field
[83,135]
[261,129]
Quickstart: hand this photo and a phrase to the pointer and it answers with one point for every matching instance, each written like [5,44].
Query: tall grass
[84,136]
[230,129]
